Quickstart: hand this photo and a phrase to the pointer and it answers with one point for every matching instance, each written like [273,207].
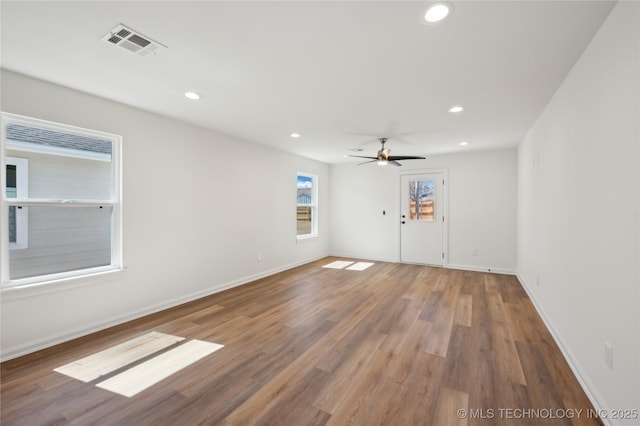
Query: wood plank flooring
[393,345]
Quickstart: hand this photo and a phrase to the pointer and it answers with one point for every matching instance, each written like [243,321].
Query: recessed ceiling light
[295,135]
[192,95]
[463,143]
[456,108]
[437,12]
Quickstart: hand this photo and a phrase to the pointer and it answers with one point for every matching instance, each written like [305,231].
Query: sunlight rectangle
[116,357]
[338,264]
[360,266]
[147,374]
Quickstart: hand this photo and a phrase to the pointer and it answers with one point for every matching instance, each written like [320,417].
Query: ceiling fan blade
[362,156]
[405,157]
[384,157]
[366,162]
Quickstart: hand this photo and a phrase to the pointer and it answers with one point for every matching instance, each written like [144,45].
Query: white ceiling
[339,73]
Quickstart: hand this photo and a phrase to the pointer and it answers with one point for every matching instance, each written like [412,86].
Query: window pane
[11,178]
[305,190]
[13,228]
[62,165]
[64,239]
[421,200]
[12,192]
[304,220]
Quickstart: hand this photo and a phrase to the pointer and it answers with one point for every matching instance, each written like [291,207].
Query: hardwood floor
[391,345]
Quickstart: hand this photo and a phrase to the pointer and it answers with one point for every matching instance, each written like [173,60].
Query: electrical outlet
[608,355]
[474,252]
[538,281]
[259,257]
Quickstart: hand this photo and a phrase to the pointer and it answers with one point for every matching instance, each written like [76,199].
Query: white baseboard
[36,345]
[359,257]
[481,269]
[448,266]
[585,383]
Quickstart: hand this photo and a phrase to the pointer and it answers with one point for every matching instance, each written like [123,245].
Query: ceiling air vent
[132,40]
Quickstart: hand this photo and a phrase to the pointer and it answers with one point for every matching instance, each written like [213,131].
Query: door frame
[445,210]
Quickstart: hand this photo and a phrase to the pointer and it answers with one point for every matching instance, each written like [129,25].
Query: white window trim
[115,201]
[54,150]
[22,191]
[314,207]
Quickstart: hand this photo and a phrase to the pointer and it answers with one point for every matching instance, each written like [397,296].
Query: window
[306,206]
[17,186]
[61,204]
[421,199]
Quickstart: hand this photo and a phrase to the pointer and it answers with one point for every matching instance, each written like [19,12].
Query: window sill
[306,238]
[17,290]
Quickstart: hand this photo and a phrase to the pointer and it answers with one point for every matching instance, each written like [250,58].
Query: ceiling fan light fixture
[436,12]
[383,158]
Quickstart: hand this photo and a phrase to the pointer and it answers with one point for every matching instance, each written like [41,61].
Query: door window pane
[422,200]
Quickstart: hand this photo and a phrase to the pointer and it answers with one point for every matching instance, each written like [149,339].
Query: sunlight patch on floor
[136,379]
[360,266]
[351,266]
[116,357]
[338,264]
[138,374]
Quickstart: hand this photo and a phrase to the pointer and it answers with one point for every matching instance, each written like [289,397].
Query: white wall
[481,209]
[190,222]
[578,202]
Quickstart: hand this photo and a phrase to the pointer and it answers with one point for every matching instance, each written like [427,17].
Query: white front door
[422,219]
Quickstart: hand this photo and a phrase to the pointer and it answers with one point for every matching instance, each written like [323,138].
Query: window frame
[22,191]
[114,201]
[313,205]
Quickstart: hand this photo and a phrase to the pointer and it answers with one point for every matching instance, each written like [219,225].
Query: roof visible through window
[52,138]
